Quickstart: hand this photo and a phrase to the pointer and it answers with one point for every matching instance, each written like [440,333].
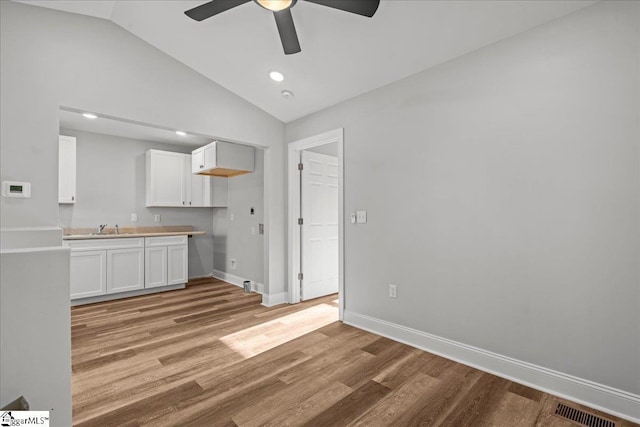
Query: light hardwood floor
[210,355]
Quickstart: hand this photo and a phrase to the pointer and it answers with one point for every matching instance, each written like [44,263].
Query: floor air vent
[581,417]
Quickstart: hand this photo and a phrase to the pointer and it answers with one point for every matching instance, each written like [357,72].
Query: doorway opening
[316,217]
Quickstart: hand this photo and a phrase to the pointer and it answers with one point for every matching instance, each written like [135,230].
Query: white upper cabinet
[197,160]
[66,169]
[171,183]
[223,159]
[165,184]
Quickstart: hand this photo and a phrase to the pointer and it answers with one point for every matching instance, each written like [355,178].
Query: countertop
[130,232]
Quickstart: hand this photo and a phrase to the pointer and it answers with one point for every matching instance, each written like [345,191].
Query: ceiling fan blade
[361,7]
[287,31]
[212,8]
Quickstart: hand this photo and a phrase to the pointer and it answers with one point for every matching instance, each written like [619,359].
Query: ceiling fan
[282,12]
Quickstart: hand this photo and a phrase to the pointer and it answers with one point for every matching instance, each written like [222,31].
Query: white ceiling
[343,55]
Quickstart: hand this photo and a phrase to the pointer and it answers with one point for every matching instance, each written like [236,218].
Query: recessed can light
[181,133]
[287,94]
[89,116]
[276,76]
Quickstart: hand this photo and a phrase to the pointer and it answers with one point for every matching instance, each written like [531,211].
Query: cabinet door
[219,192]
[178,264]
[155,267]
[195,185]
[210,158]
[197,160]
[125,270]
[165,179]
[88,274]
[66,169]
[198,188]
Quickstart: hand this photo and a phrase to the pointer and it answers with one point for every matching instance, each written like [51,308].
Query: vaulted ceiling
[343,55]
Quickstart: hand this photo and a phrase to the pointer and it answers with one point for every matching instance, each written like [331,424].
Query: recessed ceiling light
[276,76]
[89,116]
[287,94]
[181,133]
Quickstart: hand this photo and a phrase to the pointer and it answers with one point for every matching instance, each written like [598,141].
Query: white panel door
[88,274]
[66,169]
[155,269]
[319,234]
[125,270]
[177,264]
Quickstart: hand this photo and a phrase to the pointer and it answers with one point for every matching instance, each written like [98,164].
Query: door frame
[293,157]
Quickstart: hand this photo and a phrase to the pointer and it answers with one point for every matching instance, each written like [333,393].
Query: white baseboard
[121,295]
[607,399]
[238,281]
[276,299]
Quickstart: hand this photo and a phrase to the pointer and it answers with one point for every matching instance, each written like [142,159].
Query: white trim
[293,152]
[277,299]
[616,402]
[237,280]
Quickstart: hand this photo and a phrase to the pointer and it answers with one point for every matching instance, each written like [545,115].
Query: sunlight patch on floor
[265,336]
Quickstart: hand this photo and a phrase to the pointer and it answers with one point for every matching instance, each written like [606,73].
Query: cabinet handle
[201,166]
[73,198]
[183,202]
[189,203]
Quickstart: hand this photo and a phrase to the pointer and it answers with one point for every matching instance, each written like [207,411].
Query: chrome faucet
[116,229]
[101,228]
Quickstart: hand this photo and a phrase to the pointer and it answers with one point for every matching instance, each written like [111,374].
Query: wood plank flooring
[210,355]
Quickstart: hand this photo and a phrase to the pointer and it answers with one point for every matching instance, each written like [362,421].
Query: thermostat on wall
[16,189]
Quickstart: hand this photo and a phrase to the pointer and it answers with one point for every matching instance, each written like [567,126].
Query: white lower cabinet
[88,274]
[155,267]
[166,261]
[125,270]
[177,264]
[111,266]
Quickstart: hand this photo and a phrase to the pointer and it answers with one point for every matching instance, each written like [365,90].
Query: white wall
[330,149]
[50,59]
[239,238]
[111,186]
[35,346]
[503,197]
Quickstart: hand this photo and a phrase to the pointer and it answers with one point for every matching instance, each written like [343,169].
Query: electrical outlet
[134,217]
[361,217]
[156,217]
[234,263]
[393,291]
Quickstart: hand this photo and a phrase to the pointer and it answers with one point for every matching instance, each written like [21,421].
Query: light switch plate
[134,217]
[353,217]
[156,217]
[361,217]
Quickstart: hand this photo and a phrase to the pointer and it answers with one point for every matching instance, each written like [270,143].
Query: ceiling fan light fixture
[276,5]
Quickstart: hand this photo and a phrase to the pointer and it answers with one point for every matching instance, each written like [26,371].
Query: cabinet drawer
[98,244]
[165,241]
